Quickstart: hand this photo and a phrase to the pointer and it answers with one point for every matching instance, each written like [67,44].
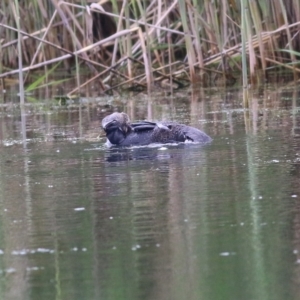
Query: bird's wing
[146,125]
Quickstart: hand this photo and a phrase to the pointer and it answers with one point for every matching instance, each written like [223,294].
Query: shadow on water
[220,221]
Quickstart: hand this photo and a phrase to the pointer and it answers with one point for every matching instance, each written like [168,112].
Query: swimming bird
[121,132]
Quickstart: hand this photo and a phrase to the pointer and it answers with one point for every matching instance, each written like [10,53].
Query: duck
[121,132]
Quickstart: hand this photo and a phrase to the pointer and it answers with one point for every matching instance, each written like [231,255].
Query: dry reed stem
[15,41]
[265,36]
[135,79]
[75,40]
[202,32]
[138,44]
[95,7]
[85,49]
[135,48]
[293,68]
[119,27]
[189,45]
[128,44]
[16,11]
[36,38]
[284,13]
[110,69]
[197,41]
[258,28]
[250,45]
[146,61]
[42,41]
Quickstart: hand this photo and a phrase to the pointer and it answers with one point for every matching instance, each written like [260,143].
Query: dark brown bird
[120,132]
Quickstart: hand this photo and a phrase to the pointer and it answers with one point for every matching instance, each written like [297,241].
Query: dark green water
[79,221]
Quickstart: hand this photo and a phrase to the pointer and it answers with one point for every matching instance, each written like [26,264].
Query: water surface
[220,221]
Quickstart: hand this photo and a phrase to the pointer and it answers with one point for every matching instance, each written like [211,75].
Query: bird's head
[117,121]
[117,127]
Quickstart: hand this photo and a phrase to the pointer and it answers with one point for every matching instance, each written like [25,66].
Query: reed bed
[140,44]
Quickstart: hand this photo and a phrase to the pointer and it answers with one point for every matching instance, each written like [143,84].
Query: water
[80,221]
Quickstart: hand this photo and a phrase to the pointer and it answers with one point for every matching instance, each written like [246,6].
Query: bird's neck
[116,137]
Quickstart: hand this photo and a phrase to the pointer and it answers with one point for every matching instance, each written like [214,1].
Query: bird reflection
[161,152]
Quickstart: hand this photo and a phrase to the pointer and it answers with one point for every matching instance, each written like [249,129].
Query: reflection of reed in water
[144,192]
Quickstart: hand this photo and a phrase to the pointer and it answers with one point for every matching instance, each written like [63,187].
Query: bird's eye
[170,127]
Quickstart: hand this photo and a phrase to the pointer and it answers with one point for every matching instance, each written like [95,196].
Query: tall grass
[141,43]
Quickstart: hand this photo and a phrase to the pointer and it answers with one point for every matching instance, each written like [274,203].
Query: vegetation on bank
[136,44]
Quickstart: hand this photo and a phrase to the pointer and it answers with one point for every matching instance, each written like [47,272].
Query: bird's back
[164,132]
